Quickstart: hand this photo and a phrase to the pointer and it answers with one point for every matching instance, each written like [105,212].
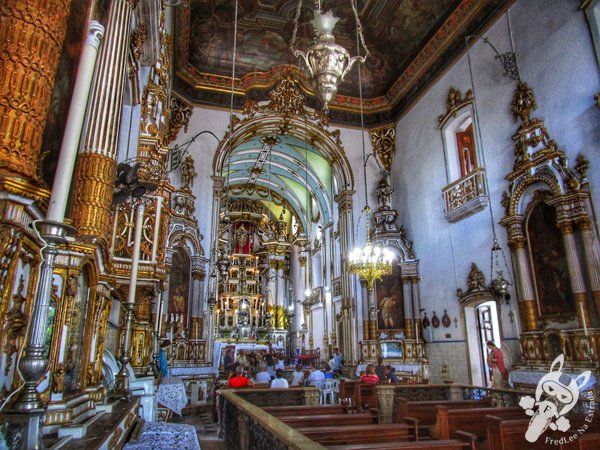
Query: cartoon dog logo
[553,400]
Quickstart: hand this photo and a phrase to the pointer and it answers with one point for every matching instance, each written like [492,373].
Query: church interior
[189,187]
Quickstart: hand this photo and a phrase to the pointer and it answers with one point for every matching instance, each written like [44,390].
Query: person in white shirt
[263,376]
[279,381]
[316,376]
[279,364]
[298,376]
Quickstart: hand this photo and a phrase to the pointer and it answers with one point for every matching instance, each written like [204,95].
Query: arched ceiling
[255,168]
[411,43]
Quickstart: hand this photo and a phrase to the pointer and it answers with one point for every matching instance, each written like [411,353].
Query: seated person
[316,376]
[269,363]
[370,377]
[263,376]
[390,376]
[239,380]
[328,371]
[279,381]
[298,376]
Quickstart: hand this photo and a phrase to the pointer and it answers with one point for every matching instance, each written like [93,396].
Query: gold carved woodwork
[31,38]
[188,173]
[92,194]
[15,325]
[528,314]
[454,102]
[179,117]
[58,379]
[523,103]
[384,144]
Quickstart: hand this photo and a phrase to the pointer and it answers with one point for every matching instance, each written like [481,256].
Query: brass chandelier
[327,63]
[371,262]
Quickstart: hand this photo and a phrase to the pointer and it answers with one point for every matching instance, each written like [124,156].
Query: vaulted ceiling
[411,43]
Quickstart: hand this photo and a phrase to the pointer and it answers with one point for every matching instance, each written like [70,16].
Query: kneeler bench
[463,441]
[164,435]
[359,434]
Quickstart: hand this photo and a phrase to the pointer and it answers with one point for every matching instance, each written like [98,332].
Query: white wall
[556,59]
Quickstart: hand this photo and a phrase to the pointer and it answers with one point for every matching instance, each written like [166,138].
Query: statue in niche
[476,279]
[384,193]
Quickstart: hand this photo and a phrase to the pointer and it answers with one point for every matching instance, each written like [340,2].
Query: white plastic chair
[328,390]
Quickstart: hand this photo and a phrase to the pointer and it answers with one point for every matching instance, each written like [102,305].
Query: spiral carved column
[31,39]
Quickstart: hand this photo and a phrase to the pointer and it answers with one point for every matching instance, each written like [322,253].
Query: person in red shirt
[239,380]
[370,377]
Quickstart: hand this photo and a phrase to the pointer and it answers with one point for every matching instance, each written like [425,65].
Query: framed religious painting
[390,301]
[179,285]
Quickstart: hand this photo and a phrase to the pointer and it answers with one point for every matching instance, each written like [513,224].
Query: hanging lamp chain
[359,27]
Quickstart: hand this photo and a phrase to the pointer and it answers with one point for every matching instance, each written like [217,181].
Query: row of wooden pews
[335,426]
[493,428]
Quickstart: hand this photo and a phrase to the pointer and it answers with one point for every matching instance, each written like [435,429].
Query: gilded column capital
[302,261]
[584,223]
[565,227]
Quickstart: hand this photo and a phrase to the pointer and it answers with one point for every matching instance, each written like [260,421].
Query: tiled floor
[201,419]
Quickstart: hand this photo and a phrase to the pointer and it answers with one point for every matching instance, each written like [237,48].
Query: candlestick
[583,319]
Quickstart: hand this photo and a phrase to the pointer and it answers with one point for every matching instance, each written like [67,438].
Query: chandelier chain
[478,130]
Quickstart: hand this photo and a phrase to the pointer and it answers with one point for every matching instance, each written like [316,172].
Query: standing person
[370,377]
[496,363]
[163,364]
[239,380]
[298,376]
[338,360]
[279,381]
[228,362]
[380,368]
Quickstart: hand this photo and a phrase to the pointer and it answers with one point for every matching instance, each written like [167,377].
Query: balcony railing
[465,196]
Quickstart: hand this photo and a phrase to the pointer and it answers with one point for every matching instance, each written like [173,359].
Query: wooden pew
[449,420]
[359,434]
[424,413]
[365,396]
[464,441]
[346,391]
[505,434]
[325,420]
[305,410]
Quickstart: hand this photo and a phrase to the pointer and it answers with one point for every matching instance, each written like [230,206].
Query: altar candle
[583,319]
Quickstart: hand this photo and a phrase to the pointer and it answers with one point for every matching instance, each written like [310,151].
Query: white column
[135,258]
[74,125]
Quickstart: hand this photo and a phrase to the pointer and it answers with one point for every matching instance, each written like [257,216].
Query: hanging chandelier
[371,262]
[326,61]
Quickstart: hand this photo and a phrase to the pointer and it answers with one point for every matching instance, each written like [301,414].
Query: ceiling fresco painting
[410,41]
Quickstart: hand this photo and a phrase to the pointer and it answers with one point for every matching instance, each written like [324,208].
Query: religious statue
[476,279]
[188,172]
[384,193]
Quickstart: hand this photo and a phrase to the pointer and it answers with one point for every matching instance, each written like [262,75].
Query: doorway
[483,317]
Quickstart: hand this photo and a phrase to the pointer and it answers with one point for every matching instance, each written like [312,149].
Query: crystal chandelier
[327,63]
[371,262]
